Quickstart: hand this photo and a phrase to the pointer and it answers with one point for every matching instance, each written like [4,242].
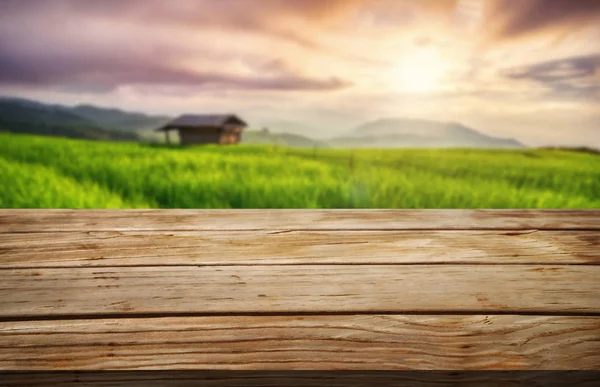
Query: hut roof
[196,120]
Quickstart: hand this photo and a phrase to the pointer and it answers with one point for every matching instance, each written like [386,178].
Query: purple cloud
[514,18]
[42,56]
[571,78]
[103,71]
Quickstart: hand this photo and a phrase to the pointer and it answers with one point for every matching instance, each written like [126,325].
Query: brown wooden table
[299,289]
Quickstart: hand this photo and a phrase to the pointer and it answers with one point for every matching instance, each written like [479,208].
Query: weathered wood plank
[303,378]
[182,220]
[566,289]
[305,342]
[299,247]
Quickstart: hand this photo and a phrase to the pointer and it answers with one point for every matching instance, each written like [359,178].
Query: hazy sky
[528,69]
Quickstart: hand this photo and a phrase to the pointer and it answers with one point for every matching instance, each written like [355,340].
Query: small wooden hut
[206,129]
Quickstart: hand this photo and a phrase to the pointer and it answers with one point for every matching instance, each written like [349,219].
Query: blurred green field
[45,172]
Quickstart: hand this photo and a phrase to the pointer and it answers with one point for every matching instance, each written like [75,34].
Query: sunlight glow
[421,71]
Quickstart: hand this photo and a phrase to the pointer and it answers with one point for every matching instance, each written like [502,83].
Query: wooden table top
[299,289]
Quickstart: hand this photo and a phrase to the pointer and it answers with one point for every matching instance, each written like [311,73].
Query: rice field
[45,172]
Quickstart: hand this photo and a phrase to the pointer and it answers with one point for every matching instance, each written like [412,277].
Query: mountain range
[81,121]
[97,123]
[115,118]
[405,132]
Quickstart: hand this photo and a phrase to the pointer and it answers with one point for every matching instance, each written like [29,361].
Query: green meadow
[46,172]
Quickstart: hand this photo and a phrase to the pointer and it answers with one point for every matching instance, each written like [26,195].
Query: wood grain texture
[298,289]
[187,220]
[148,248]
[305,342]
[301,378]
[323,289]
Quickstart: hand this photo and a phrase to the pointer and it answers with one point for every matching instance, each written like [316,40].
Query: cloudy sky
[528,69]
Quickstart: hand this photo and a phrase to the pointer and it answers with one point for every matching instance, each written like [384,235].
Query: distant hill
[116,118]
[283,139]
[288,126]
[25,116]
[403,132]
[97,123]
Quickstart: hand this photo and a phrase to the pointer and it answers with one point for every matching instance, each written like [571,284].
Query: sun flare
[421,71]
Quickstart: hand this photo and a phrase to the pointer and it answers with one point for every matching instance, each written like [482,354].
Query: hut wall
[190,136]
[231,135]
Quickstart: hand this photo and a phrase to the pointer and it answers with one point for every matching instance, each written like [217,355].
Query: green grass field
[44,172]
